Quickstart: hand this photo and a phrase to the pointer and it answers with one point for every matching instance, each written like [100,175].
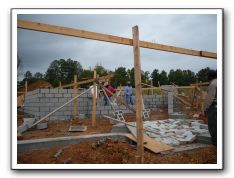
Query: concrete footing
[29,145]
[119,128]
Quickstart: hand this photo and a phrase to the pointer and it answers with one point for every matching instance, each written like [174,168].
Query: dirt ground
[113,152]
[108,152]
[60,128]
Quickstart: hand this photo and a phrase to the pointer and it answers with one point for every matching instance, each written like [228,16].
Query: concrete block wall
[40,102]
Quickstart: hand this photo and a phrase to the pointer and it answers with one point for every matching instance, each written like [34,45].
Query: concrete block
[107,107]
[119,128]
[63,100]
[22,128]
[170,110]
[44,100]
[71,91]
[62,90]
[204,138]
[204,126]
[67,95]
[54,100]
[54,90]
[104,112]
[44,90]
[48,104]
[44,109]
[42,125]
[49,95]
[58,95]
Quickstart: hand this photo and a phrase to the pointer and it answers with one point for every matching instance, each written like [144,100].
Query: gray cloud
[199,32]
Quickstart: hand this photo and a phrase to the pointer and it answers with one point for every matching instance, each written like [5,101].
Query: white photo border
[217,11]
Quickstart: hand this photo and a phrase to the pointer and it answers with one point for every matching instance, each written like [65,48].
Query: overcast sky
[199,32]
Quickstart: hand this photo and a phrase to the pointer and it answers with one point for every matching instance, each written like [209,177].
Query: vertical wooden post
[151,83]
[94,100]
[26,86]
[137,69]
[60,84]
[97,88]
[75,101]
[161,92]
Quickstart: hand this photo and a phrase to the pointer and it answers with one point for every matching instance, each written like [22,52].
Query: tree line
[63,70]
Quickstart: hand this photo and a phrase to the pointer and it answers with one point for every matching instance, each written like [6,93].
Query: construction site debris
[58,153]
[175,132]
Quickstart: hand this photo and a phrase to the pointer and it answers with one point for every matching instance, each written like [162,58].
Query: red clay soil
[60,128]
[36,85]
[117,152]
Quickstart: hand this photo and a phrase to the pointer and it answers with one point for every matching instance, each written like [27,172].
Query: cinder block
[62,90]
[44,109]
[40,95]
[42,125]
[107,107]
[44,90]
[54,90]
[48,104]
[58,95]
[22,128]
[67,95]
[54,100]
[50,95]
[44,100]
[63,100]
[170,110]
[104,112]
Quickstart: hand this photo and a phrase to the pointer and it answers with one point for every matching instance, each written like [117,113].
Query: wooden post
[26,86]
[151,86]
[60,84]
[97,88]
[94,100]
[137,69]
[75,101]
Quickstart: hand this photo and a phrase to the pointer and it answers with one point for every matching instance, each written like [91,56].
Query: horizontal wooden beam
[85,81]
[109,38]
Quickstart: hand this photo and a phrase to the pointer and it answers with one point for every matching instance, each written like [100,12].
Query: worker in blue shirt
[129,94]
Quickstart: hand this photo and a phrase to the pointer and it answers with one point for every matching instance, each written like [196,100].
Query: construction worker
[211,105]
[109,94]
[129,94]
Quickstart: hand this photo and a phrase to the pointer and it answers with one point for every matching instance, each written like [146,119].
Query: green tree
[101,71]
[202,75]
[63,70]
[176,77]
[131,76]
[163,79]
[145,76]
[188,77]
[28,75]
[19,67]
[38,75]
[121,77]
[155,77]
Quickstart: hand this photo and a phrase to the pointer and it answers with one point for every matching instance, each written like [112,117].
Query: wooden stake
[137,69]
[151,86]
[94,99]
[26,86]
[75,101]
[60,84]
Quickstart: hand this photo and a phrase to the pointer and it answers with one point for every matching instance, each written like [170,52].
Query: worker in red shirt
[109,94]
